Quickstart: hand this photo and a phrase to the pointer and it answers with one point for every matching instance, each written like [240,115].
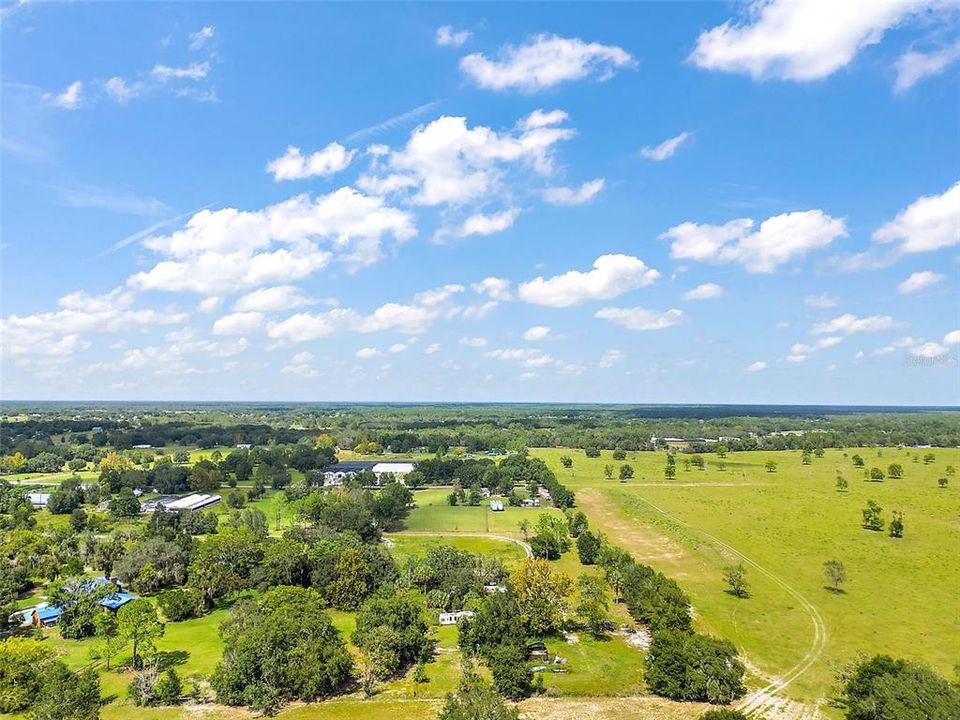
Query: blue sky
[673,202]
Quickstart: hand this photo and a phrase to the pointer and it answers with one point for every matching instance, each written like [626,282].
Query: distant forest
[373,429]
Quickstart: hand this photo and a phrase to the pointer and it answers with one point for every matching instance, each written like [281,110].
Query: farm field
[433,514]
[899,597]
[901,594]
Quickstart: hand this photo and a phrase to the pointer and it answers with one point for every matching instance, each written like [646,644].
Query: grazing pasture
[901,594]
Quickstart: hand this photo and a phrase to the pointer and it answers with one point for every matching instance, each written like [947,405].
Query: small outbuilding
[496,505]
[451,618]
[38,499]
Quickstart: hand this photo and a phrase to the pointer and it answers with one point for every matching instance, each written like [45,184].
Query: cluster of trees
[471,475]
[452,579]
[35,682]
[681,664]
[281,647]
[873,519]
[884,688]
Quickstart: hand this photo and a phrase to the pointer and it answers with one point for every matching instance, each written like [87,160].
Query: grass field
[433,514]
[901,596]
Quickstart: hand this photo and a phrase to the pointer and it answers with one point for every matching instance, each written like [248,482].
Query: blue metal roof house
[117,600]
[47,616]
[50,614]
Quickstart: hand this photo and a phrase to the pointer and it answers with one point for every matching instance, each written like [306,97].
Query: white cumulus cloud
[448,37]
[543,62]
[800,41]
[919,281]
[612,275]
[293,165]
[848,324]
[537,332]
[929,223]
[778,240]
[639,318]
[69,99]
[706,291]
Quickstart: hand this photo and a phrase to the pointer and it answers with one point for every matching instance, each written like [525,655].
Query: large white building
[336,474]
[192,502]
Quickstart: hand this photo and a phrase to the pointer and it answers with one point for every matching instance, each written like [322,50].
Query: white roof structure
[38,498]
[192,502]
[451,618]
[397,468]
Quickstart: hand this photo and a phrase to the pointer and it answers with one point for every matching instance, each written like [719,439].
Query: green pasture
[405,546]
[432,513]
[901,596]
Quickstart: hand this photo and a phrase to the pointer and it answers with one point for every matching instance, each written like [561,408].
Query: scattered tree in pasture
[670,472]
[895,471]
[525,528]
[842,483]
[872,517]
[806,458]
[280,647]
[592,452]
[608,471]
[736,578]
[857,461]
[236,499]
[771,466]
[392,632]
[698,462]
[721,450]
[508,667]
[626,472]
[896,525]
[125,503]
[109,639]
[619,455]
[13,463]
[929,458]
[566,461]
[835,573]
[593,602]
[138,623]
[588,547]
[950,470]
[180,604]
[542,596]
[876,474]
[942,482]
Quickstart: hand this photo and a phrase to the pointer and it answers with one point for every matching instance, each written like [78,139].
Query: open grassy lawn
[407,546]
[433,514]
[901,596]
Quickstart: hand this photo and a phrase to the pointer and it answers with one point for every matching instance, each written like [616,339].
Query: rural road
[764,701]
[493,536]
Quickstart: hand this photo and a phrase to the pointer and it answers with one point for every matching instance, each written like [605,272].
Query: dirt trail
[493,536]
[766,702]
